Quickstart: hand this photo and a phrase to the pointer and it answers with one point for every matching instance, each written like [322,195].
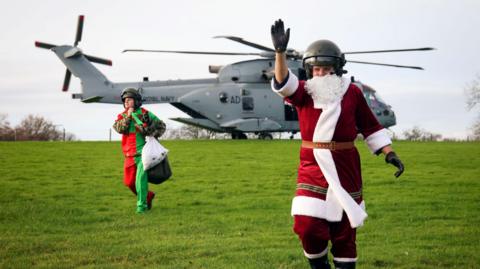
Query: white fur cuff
[289,88]
[316,256]
[344,259]
[378,140]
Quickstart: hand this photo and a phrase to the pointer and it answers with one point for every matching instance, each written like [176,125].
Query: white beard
[326,90]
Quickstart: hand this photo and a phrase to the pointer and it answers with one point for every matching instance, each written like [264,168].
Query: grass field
[63,205]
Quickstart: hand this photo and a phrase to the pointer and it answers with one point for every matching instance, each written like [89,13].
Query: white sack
[153,153]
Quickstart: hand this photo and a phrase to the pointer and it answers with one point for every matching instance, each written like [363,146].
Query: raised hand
[279,36]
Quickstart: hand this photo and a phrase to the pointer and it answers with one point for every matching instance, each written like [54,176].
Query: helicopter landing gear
[265,136]
[239,135]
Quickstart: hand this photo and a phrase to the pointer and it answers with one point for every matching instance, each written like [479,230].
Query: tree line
[472,93]
[32,128]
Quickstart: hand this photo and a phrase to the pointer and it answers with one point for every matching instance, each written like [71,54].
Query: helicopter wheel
[265,136]
[239,135]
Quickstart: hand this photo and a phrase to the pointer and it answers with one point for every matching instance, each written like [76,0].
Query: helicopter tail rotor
[43,45]
[78,38]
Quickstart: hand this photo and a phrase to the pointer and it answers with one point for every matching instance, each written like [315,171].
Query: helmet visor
[321,61]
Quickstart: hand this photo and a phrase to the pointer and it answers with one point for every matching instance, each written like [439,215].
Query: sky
[433,99]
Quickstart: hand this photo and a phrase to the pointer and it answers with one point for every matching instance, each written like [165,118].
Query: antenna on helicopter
[74,52]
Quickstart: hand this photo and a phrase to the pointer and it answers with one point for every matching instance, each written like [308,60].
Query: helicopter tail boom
[94,82]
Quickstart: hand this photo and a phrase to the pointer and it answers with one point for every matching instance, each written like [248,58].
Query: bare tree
[70,137]
[419,134]
[6,132]
[32,128]
[37,128]
[476,130]
[192,132]
[472,92]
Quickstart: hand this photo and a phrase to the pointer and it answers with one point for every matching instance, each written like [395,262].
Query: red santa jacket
[355,117]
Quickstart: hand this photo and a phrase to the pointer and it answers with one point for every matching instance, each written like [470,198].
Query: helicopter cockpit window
[247,103]
[223,97]
[372,100]
[379,99]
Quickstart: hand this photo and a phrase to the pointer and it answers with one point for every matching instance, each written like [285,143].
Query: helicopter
[238,101]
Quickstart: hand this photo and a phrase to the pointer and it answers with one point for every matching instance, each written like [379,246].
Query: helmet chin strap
[136,105]
[340,72]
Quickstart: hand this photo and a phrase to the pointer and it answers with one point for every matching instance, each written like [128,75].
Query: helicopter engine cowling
[214,69]
[253,71]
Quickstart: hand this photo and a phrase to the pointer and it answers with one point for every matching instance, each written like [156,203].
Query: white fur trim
[314,207]
[345,259]
[378,140]
[337,200]
[289,88]
[309,206]
[338,195]
[315,256]
[327,122]
[362,204]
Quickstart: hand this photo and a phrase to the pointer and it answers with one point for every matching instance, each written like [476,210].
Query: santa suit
[328,203]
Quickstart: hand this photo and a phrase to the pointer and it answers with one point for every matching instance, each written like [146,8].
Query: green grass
[63,205]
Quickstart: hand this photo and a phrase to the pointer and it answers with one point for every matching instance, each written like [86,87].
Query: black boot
[319,263]
[344,265]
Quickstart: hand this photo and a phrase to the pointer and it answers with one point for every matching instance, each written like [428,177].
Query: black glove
[279,36]
[393,159]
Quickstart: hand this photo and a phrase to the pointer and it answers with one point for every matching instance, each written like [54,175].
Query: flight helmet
[132,93]
[323,53]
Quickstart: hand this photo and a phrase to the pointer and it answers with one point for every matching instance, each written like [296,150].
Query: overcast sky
[31,78]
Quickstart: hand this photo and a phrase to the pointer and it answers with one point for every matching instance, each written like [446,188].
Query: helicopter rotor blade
[66,81]
[248,43]
[78,36]
[43,45]
[391,65]
[382,51]
[193,52]
[98,60]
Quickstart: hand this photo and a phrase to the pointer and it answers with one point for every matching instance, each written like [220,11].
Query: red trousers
[129,176]
[315,234]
